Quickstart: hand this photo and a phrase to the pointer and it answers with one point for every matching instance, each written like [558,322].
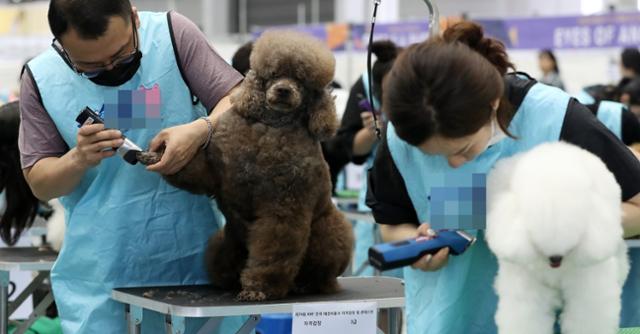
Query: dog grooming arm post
[434,18]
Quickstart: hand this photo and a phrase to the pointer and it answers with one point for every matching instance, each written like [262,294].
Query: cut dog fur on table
[264,166]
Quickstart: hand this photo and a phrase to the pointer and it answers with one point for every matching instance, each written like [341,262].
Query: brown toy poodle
[265,167]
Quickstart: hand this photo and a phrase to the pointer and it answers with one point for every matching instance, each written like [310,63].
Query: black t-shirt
[389,200]
[630,127]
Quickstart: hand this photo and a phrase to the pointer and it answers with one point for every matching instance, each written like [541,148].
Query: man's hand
[180,143]
[93,142]
[431,262]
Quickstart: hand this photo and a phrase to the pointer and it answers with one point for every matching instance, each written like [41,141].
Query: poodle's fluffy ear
[603,226]
[323,121]
[506,233]
[250,97]
[602,234]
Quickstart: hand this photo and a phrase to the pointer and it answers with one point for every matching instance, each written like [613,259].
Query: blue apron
[585,98]
[459,299]
[610,114]
[126,226]
[365,232]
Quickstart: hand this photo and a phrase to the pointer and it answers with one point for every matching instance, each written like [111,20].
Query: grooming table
[26,259]
[204,301]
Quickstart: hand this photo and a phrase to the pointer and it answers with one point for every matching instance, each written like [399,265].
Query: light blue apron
[610,114]
[585,98]
[365,232]
[125,226]
[459,299]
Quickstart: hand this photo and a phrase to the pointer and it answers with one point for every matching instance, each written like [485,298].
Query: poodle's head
[294,56]
[288,80]
[554,204]
[284,95]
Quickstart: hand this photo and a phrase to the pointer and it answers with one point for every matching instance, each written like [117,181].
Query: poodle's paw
[251,296]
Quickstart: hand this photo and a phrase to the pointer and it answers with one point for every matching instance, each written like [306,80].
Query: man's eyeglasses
[93,71]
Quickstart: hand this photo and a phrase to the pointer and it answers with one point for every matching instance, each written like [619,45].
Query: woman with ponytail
[453,109]
[356,140]
[18,205]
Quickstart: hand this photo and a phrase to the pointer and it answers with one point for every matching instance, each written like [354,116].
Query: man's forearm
[54,177]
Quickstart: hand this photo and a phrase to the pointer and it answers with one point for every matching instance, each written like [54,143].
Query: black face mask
[120,74]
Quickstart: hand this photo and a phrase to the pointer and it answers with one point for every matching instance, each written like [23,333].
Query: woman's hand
[366,137]
[431,262]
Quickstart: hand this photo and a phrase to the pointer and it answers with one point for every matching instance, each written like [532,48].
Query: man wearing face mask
[125,225]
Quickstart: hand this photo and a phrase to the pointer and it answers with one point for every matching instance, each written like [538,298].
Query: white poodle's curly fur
[556,202]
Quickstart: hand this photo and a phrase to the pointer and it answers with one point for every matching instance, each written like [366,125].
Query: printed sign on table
[322,318]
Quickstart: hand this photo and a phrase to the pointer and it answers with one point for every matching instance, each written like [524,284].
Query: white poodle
[554,223]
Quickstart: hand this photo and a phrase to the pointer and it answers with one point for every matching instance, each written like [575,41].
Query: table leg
[175,324]
[4,301]
[210,326]
[28,291]
[250,324]
[134,319]
[394,317]
[38,311]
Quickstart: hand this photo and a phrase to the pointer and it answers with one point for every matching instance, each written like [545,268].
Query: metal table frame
[387,292]
[25,259]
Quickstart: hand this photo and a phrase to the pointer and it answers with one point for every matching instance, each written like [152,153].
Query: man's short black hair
[89,18]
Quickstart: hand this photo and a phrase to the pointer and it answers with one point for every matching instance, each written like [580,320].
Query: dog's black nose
[555,261]
[283,92]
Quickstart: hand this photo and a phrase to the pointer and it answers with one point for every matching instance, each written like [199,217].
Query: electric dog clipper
[128,150]
[402,253]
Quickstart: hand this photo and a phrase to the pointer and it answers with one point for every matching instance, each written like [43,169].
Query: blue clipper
[402,253]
